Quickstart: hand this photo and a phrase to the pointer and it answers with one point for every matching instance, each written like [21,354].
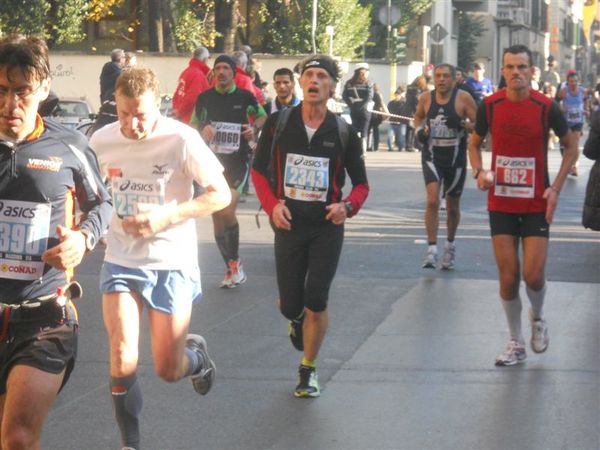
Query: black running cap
[225,59]
[322,62]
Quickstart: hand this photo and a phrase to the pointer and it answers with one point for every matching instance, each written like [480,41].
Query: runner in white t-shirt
[151,163]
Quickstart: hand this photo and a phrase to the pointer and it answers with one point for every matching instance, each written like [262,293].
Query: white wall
[78,75]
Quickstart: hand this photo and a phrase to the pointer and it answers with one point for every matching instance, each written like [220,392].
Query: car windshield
[72,109]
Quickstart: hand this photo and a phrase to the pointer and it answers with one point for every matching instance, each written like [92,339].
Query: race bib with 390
[306,178]
[128,193]
[515,177]
[227,137]
[24,231]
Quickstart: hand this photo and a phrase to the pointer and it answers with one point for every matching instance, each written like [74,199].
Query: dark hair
[450,67]
[515,50]
[29,54]
[284,71]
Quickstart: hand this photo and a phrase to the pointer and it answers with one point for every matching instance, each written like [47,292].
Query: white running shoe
[237,273]
[227,282]
[449,256]
[430,260]
[539,334]
[514,353]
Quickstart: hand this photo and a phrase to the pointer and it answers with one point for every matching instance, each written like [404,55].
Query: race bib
[441,134]
[515,177]
[24,231]
[575,115]
[128,193]
[306,178]
[227,137]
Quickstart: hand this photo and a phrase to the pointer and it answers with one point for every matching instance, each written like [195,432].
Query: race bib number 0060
[227,137]
[515,177]
[24,230]
[306,178]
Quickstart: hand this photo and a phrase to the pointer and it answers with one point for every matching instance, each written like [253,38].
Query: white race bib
[515,177]
[24,231]
[128,193]
[306,178]
[227,137]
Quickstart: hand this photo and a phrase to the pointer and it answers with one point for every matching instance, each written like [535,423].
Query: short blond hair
[134,82]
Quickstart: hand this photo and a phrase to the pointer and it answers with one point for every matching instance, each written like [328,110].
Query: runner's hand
[150,220]
[336,212]
[69,253]
[207,133]
[282,216]
[551,196]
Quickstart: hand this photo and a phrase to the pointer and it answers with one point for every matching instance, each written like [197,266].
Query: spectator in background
[253,67]
[192,82]
[283,82]
[242,79]
[461,82]
[110,72]
[414,90]
[397,131]
[130,60]
[358,95]
[482,86]
[551,76]
[376,119]
[536,76]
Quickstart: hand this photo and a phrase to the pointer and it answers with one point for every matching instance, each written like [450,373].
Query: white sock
[512,309]
[536,298]
[449,244]
[432,249]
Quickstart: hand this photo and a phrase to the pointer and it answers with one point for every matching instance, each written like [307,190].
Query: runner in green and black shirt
[228,119]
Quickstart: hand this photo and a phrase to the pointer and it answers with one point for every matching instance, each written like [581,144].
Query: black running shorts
[237,169]
[47,348]
[453,177]
[520,225]
[306,258]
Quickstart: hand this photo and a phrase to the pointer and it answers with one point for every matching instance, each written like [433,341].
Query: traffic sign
[437,33]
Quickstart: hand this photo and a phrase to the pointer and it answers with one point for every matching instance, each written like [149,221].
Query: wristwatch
[476,172]
[90,239]
[349,208]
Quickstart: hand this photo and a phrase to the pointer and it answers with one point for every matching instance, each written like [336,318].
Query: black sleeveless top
[447,141]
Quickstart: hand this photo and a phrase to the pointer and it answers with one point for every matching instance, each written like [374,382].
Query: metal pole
[314,25]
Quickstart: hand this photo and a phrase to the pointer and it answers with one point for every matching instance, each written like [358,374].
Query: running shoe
[205,377]
[295,332]
[430,260]
[308,382]
[237,273]
[227,282]
[449,256]
[539,334]
[514,353]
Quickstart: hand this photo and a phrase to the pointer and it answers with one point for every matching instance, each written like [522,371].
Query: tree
[57,21]
[286,26]
[410,11]
[194,24]
[470,28]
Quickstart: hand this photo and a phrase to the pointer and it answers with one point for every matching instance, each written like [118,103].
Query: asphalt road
[408,360]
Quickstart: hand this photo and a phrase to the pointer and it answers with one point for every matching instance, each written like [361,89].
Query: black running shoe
[308,383]
[295,332]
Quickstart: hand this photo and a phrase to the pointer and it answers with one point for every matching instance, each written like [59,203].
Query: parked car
[71,112]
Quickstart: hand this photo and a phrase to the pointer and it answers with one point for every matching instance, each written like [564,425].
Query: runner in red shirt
[521,199]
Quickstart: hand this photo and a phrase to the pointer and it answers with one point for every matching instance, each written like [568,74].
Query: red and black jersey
[520,132]
[308,175]
[46,174]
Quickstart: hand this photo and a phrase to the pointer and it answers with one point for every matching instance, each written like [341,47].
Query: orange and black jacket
[53,166]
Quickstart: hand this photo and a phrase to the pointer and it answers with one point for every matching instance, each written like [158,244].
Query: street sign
[394,14]
[437,33]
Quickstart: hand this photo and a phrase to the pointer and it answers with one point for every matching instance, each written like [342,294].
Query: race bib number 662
[515,177]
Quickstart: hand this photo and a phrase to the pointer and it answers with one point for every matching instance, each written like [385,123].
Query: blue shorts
[164,290]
